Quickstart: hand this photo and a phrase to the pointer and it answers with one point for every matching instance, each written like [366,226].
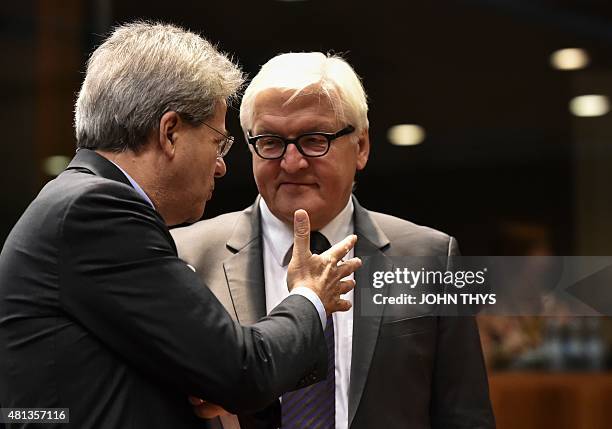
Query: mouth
[297,184]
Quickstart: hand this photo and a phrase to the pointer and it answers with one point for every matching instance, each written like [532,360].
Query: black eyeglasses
[270,146]
[225,144]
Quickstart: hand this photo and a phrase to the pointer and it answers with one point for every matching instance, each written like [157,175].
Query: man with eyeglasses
[304,116]
[101,323]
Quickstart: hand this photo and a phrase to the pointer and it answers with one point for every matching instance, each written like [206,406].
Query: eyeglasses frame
[225,145]
[252,140]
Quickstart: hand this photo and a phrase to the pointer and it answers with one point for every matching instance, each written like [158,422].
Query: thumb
[301,235]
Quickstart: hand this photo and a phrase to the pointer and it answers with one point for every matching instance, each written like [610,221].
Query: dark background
[505,166]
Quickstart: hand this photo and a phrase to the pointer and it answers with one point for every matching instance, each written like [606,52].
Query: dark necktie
[314,407]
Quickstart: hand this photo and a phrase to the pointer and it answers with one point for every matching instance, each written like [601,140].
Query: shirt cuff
[311,296]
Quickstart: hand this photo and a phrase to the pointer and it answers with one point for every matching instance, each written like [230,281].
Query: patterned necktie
[314,407]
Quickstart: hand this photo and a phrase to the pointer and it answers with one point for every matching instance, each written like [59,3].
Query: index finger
[340,250]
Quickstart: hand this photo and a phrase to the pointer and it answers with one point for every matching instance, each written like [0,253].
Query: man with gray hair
[101,323]
[304,116]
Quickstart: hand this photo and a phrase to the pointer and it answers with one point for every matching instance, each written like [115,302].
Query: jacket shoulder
[215,229]
[69,192]
[100,197]
[210,235]
[409,237]
[72,186]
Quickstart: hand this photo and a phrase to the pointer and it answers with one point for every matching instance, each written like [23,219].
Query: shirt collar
[279,235]
[136,186]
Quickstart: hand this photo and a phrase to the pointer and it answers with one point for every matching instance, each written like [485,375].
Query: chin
[200,213]
[286,209]
[196,214]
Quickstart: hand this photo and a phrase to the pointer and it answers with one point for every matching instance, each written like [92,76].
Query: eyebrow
[319,127]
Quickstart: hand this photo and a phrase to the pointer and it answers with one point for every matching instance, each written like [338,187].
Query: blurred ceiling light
[54,165]
[406,135]
[570,59]
[589,105]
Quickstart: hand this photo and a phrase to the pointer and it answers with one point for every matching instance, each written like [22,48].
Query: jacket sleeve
[460,390]
[121,279]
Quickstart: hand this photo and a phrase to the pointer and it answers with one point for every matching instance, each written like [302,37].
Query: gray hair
[142,71]
[307,72]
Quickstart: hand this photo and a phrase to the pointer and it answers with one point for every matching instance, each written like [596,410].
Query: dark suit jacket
[98,314]
[408,369]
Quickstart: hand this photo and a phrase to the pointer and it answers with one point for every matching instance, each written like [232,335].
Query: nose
[220,168]
[293,161]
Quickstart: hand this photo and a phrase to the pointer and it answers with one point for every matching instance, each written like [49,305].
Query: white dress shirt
[277,240]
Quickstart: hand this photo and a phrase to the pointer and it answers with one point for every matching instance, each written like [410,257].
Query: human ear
[169,125]
[363,151]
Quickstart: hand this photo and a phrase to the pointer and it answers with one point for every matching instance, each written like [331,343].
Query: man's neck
[139,168]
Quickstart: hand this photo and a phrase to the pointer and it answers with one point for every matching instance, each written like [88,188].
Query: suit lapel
[244,269]
[245,279]
[371,241]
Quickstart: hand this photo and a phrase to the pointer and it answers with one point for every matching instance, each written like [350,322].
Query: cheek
[265,173]
[333,175]
[211,166]
[207,164]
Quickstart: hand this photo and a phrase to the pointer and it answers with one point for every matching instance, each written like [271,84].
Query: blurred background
[489,120]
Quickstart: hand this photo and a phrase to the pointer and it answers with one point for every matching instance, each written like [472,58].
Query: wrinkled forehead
[290,104]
